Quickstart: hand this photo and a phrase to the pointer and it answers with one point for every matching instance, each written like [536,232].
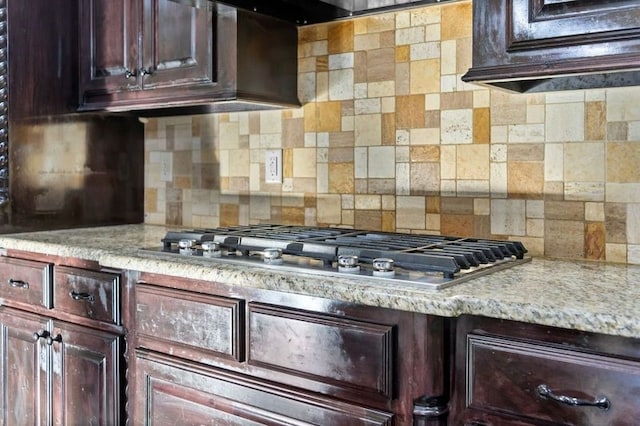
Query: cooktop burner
[434,260]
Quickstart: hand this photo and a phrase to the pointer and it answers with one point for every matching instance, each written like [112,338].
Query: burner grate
[427,253]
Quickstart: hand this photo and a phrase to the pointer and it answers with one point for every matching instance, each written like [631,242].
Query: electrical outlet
[273,166]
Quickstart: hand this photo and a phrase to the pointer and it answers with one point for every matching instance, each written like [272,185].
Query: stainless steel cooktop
[431,261]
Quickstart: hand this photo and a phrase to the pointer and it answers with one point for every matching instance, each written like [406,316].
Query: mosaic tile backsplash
[389,138]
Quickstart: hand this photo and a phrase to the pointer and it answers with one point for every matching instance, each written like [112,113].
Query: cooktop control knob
[211,249]
[348,264]
[187,247]
[383,267]
[272,256]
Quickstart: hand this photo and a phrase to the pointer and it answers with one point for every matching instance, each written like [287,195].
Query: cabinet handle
[86,297]
[18,283]
[128,74]
[145,71]
[38,334]
[545,392]
[50,339]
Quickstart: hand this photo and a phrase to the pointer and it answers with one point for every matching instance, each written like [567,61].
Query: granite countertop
[580,295]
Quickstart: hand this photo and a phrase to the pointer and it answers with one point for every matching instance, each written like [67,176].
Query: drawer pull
[545,392]
[51,340]
[38,334]
[86,297]
[18,283]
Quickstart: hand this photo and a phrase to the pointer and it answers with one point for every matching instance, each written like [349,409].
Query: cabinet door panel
[108,46]
[23,369]
[540,23]
[352,354]
[86,376]
[177,44]
[177,392]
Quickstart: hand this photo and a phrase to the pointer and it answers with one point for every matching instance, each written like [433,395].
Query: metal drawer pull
[601,402]
[50,339]
[82,296]
[41,333]
[18,283]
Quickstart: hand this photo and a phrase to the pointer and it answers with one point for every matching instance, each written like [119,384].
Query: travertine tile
[508,217]
[340,37]
[368,130]
[410,111]
[565,122]
[472,162]
[410,212]
[572,243]
[594,241]
[425,178]
[623,162]
[584,162]
[457,126]
[424,76]
[457,20]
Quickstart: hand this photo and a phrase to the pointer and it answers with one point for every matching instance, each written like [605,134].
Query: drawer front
[191,325]
[89,294]
[26,281]
[504,376]
[351,354]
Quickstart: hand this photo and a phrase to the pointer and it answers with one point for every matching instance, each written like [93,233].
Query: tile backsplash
[389,138]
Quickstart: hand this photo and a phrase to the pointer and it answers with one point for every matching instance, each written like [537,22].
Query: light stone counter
[580,295]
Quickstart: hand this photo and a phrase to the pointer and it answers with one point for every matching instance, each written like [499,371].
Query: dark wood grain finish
[521,44]
[85,376]
[109,46]
[26,281]
[190,325]
[349,353]
[179,392]
[23,369]
[87,293]
[188,59]
[500,364]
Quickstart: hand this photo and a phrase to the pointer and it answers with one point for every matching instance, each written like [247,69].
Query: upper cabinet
[544,45]
[148,54]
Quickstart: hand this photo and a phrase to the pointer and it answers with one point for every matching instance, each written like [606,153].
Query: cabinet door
[86,371]
[177,44]
[23,369]
[108,47]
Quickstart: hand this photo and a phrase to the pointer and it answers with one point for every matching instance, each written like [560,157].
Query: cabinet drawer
[348,353]
[172,391]
[503,375]
[90,294]
[26,281]
[191,325]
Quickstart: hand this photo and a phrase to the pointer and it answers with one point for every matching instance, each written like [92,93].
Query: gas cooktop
[432,261]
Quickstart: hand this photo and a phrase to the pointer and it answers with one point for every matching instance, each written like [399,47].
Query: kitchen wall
[389,138]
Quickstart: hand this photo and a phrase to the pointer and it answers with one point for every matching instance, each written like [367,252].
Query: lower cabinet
[61,343]
[171,391]
[211,354]
[509,373]
[54,372]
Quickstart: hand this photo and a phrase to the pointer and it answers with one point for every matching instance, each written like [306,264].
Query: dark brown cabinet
[512,373]
[61,348]
[539,45]
[206,352]
[133,48]
[162,54]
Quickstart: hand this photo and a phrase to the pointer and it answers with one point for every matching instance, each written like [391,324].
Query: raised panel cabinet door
[24,364]
[109,47]
[178,43]
[86,376]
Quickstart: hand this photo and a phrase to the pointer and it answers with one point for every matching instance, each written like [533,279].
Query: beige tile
[565,122]
[623,162]
[341,178]
[457,225]
[525,179]
[596,121]
[564,239]
[457,126]
[508,217]
[410,212]
[304,162]
[382,162]
[368,130]
[425,178]
[410,111]
[584,162]
[340,37]
[472,162]
[457,20]
[381,64]
[424,76]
